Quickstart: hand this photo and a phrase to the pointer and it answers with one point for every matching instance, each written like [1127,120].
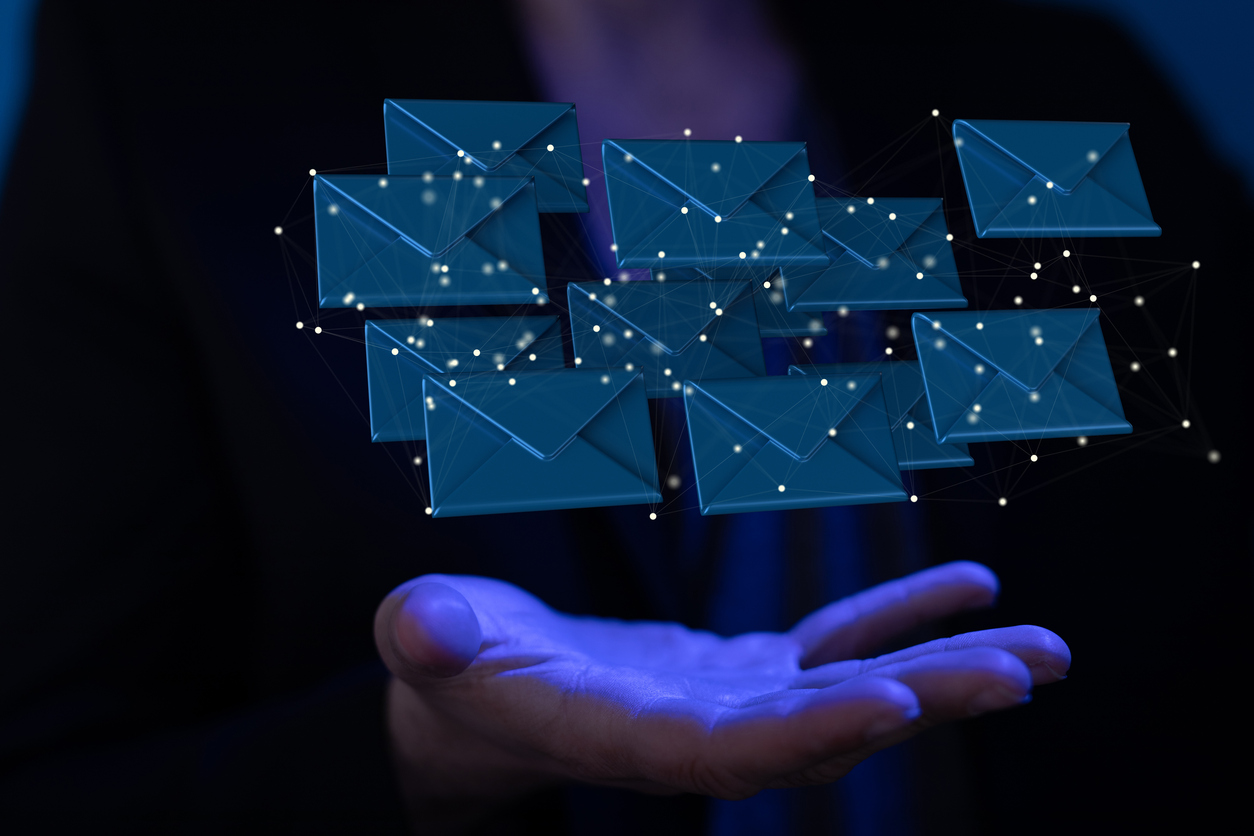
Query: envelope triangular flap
[457,338]
[902,381]
[431,213]
[718,176]
[671,314]
[868,231]
[797,413]
[1061,152]
[542,411]
[1008,340]
[475,127]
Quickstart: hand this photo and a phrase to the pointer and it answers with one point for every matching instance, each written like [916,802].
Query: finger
[425,630]
[860,623]
[1046,655]
[751,747]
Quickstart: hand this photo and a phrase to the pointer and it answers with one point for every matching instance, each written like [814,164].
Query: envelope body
[1052,179]
[800,441]
[914,439]
[1007,375]
[692,203]
[496,139]
[670,331]
[535,441]
[774,318]
[401,352]
[396,241]
[887,254]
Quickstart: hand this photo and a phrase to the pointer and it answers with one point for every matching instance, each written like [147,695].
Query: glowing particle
[452,382]
[333,209]
[631,367]
[666,372]
[689,390]
[910,425]
[718,219]
[652,515]
[850,209]
[888,350]
[831,433]
[531,357]
[918,275]
[936,325]
[675,385]
[578,361]
[428,510]
[500,367]
[429,197]
[892,332]
[278,230]
[479,181]
[502,265]
[661,253]
[808,343]
[476,352]
[496,145]
[842,311]
[851,385]
[512,381]
[443,268]
[312,172]
[783,230]
[914,498]
[430,323]
[1002,502]
[1018,300]
[1093,156]
[395,351]
[1075,288]
[626,158]
[823,382]
[383,182]
[1139,301]
[1082,440]
[781,488]
[606,282]
[811,178]
[1039,341]
[892,216]
[461,153]
[586,181]
[683,210]
[299,325]
[935,112]
[1049,184]
[1032,276]
[957,142]
[1185,423]
[736,449]
[454,363]
[940,344]
[549,147]
[605,378]
[361,306]
[766,285]
[703,338]
[715,167]
[979,326]
[979,368]
[1034,396]
[949,236]
[976,408]
[427,177]
[417,460]
[1197,264]
[739,138]
[1031,200]
[1213,457]
[1066,253]
[1136,367]
[687,131]
[1171,352]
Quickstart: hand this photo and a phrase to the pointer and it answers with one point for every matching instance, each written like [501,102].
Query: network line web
[938,342]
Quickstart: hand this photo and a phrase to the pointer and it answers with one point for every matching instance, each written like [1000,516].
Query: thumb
[425,629]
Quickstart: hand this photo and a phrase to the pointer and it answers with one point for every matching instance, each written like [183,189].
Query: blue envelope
[396,241]
[490,139]
[690,203]
[908,416]
[774,318]
[888,253]
[670,331]
[401,352]
[1052,179]
[1007,375]
[791,442]
[536,441]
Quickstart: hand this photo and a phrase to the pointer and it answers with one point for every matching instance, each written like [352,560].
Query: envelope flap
[448,345]
[902,381]
[671,313]
[542,411]
[1061,152]
[719,176]
[1026,346]
[797,413]
[875,229]
[489,132]
[432,213]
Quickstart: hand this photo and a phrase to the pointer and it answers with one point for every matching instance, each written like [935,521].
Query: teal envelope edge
[538,441]
[908,416]
[1017,375]
[749,438]
[401,352]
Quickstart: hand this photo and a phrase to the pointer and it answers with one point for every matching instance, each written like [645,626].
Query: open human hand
[496,694]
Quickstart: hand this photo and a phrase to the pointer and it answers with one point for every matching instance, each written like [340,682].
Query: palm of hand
[497,694]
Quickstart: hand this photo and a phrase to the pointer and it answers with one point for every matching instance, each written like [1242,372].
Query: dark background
[198,529]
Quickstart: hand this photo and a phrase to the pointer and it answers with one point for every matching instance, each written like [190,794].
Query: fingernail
[992,699]
[890,722]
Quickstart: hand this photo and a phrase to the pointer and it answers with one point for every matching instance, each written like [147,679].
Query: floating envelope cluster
[738,248]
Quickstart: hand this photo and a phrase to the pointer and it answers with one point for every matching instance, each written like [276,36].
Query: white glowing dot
[312,172]
[842,311]
[1213,457]
[666,372]
[783,231]
[1075,288]
[781,488]
[417,460]
[1049,184]
[1032,276]
[445,281]
[936,325]
[420,343]
[715,167]
[1033,457]
[461,153]
[808,343]
[914,498]
[718,311]
[428,510]
[605,378]
[500,367]
[957,142]
[443,268]
[811,178]
[949,236]
[278,230]
[892,216]
[1092,297]
[910,425]
[1139,301]
[629,333]
[452,382]
[831,433]
[683,210]
[979,326]
[586,181]
[427,177]
[549,147]
[1185,423]
[766,285]
[512,381]
[703,338]
[383,182]
[626,158]
[742,253]
[454,363]
[1040,340]
[1034,396]
[1018,300]
[976,408]
[1066,253]
[1037,266]
[851,209]
[1002,502]
[395,351]
[1136,367]
[1171,352]
[652,515]
[851,386]
[940,345]
[299,325]
[1093,156]
[1031,200]
[661,253]
[1082,440]
[918,275]
[631,366]
[687,131]
[333,209]
[888,350]
[823,382]
[578,360]
[675,386]
[430,322]
[361,306]
[736,449]
[1197,264]
[979,368]
[718,219]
